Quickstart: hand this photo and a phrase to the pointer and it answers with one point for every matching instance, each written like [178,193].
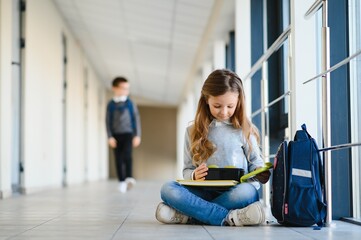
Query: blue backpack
[297,197]
[112,106]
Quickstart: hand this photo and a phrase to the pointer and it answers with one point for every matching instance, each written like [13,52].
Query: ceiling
[153,43]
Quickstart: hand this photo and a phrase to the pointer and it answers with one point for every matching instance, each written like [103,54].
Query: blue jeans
[206,205]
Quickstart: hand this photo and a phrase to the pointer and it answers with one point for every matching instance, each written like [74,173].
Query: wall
[96,138]
[155,158]
[43,96]
[43,133]
[75,119]
[5,97]
[43,155]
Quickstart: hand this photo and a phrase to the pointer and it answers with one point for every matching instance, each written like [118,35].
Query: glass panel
[355,101]
[275,134]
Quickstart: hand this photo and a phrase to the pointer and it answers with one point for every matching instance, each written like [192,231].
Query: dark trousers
[123,155]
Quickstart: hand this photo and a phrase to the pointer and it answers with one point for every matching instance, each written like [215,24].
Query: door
[18,53]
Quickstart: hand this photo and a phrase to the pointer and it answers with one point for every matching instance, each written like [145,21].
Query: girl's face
[222,107]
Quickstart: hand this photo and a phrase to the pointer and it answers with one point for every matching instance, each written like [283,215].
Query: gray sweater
[121,121]
[231,149]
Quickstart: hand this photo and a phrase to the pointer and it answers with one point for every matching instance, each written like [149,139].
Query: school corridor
[96,211]
[299,62]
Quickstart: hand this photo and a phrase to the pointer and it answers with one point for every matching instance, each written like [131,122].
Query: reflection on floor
[98,211]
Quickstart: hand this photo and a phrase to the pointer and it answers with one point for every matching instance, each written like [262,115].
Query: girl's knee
[169,191]
[247,189]
[245,194]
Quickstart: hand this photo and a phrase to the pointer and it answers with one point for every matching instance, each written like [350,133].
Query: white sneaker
[253,214]
[130,182]
[166,214]
[122,187]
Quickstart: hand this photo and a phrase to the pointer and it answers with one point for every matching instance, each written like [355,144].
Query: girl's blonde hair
[218,83]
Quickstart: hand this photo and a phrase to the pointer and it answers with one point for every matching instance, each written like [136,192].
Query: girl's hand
[200,172]
[263,177]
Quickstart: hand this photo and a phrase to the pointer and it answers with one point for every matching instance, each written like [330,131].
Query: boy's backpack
[298,182]
[128,105]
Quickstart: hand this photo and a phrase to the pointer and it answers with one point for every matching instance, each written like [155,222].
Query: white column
[198,84]
[355,98]
[219,54]
[305,102]
[206,70]
[5,97]
[185,116]
[243,45]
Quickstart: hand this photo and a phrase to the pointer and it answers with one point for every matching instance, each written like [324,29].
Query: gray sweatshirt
[231,149]
[122,122]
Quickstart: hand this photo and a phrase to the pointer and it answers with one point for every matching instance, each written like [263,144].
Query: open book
[225,183]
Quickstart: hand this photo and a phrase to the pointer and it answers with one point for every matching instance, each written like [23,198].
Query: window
[355,102]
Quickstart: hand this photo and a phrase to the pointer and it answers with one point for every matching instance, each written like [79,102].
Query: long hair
[218,83]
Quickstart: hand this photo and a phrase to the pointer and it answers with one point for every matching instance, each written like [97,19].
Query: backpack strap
[132,115]
[112,108]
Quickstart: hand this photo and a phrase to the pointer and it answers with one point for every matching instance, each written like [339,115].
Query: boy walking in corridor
[123,129]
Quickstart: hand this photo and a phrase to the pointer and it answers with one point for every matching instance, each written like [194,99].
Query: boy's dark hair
[119,80]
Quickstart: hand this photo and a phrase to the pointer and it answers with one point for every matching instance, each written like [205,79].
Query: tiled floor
[98,211]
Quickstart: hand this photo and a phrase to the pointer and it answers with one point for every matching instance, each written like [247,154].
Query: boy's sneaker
[166,214]
[122,187]
[130,182]
[253,214]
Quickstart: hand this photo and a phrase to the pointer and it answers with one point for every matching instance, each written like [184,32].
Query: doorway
[17,64]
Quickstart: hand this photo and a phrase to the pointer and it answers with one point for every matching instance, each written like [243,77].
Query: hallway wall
[155,158]
[43,134]
[43,88]
[5,97]
[42,96]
